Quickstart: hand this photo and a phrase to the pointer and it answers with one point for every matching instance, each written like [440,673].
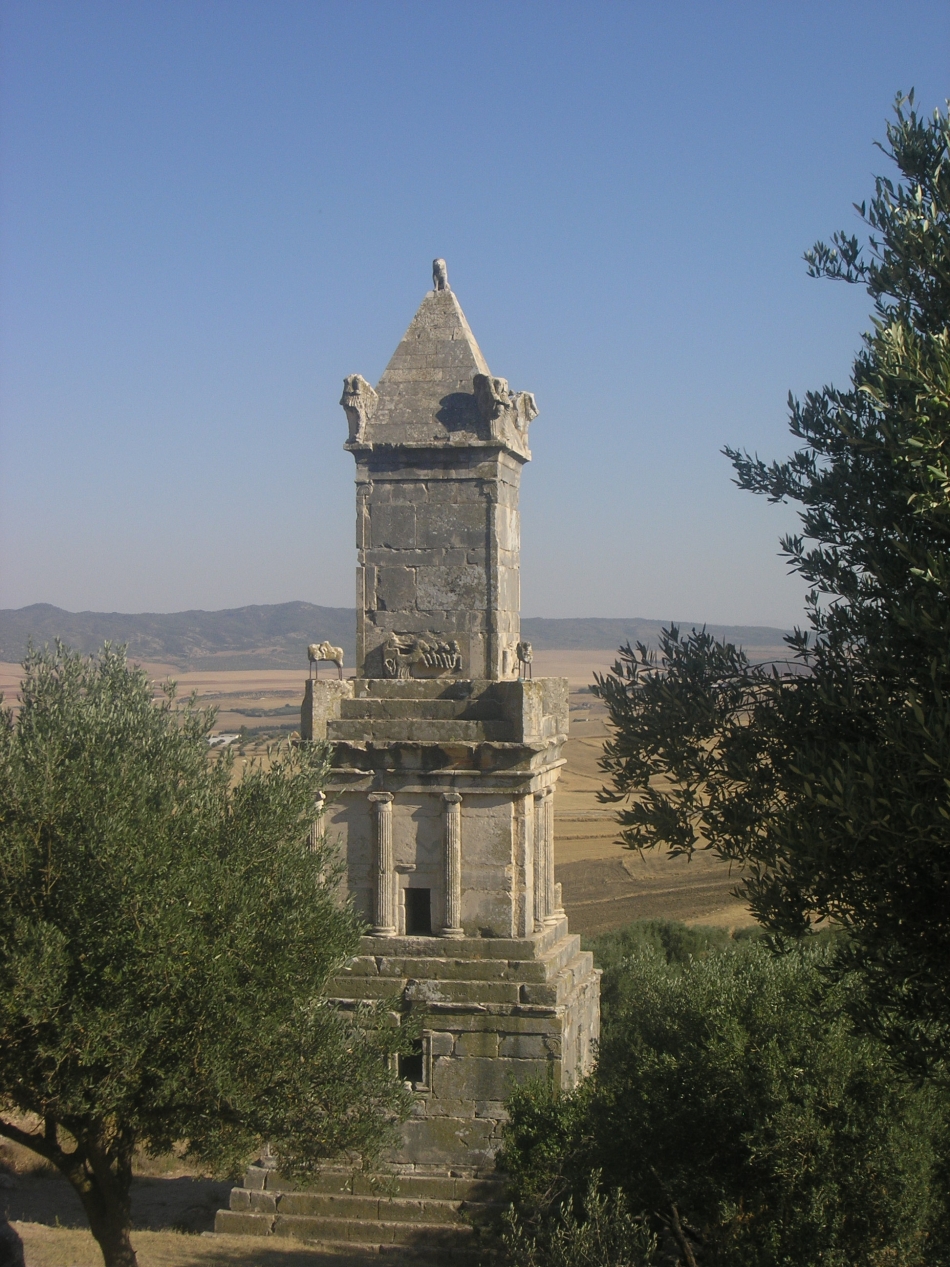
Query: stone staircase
[398,710]
[411,1218]
[434,712]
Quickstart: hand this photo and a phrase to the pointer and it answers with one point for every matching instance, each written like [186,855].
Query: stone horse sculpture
[525,653]
[325,651]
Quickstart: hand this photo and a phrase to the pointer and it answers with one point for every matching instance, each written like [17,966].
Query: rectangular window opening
[418,912]
[412,1064]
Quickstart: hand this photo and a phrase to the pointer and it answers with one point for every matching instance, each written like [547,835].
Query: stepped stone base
[407,1217]
[495,1011]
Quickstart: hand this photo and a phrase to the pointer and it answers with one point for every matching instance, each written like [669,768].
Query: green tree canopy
[829,784]
[733,1107]
[166,933]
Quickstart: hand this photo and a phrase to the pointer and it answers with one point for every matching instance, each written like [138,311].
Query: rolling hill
[276,635]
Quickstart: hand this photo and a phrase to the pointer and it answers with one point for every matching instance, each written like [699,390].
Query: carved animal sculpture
[318,651]
[408,655]
[525,653]
[497,405]
[359,400]
[440,275]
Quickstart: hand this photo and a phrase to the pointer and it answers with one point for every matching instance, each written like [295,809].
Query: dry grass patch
[69,1247]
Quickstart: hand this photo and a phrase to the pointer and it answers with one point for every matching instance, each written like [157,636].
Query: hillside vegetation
[736,1116]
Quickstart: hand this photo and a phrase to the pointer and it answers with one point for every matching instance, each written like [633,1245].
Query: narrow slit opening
[418,911]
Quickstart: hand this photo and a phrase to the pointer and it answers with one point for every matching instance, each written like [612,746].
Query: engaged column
[383,803]
[550,899]
[452,840]
[540,861]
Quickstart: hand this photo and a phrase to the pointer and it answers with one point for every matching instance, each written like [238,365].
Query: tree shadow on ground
[183,1204]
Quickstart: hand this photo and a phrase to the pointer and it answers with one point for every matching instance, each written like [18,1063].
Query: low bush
[738,1116]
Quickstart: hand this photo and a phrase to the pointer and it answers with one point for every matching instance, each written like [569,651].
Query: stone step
[367,1209]
[552,940]
[360,1231]
[460,994]
[428,967]
[337,1179]
[429,688]
[444,968]
[478,709]
[440,991]
[418,731]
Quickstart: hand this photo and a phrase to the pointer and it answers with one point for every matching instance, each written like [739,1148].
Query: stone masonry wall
[500,1012]
[438,534]
[496,829]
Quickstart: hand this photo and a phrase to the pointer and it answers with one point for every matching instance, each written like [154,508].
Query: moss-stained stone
[478,1043]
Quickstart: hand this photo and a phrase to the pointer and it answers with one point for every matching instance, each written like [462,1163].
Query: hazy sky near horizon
[213,210]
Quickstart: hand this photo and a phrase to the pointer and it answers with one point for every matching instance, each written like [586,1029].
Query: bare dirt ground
[171,1208]
[46,1246]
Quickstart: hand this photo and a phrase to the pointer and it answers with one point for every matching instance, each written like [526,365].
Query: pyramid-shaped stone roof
[427,395]
[438,357]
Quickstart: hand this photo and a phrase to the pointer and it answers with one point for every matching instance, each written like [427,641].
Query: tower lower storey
[445,819]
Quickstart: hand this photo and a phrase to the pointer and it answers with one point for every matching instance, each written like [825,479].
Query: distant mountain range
[276,636]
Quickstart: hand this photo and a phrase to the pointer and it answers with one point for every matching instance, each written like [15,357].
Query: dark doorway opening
[410,1063]
[418,911]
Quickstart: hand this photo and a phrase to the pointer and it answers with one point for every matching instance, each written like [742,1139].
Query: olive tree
[828,781]
[166,933]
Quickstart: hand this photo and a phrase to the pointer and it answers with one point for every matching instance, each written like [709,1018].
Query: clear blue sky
[211,211]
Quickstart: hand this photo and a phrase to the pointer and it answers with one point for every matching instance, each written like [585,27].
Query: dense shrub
[734,1107]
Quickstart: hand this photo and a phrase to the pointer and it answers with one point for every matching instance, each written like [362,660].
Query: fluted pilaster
[540,860]
[452,839]
[382,803]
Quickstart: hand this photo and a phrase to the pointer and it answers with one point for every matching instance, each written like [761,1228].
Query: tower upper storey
[439,445]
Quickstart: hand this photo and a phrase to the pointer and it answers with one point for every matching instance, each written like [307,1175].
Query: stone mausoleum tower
[444,760]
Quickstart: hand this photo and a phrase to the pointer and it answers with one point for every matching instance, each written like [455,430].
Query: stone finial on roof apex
[440,275]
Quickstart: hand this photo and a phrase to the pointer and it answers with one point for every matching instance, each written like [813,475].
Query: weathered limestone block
[322,701]
[450,1141]
[484,1043]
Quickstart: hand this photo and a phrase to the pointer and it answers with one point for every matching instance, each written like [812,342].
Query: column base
[381,931]
[452,932]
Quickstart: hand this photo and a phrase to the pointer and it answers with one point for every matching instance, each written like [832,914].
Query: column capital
[452,798]
[380,798]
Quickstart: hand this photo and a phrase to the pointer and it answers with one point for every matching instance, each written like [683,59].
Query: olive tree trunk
[100,1171]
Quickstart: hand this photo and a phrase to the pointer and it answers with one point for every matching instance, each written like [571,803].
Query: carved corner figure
[440,275]
[498,406]
[359,401]
[525,653]
[325,651]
